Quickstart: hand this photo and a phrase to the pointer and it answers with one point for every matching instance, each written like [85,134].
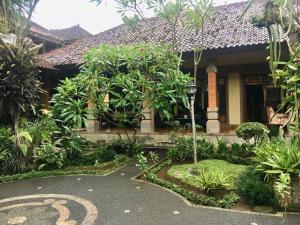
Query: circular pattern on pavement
[44,209]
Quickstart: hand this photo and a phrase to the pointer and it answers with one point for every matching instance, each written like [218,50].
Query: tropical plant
[252,130]
[142,163]
[13,14]
[70,103]
[278,156]
[212,179]
[182,150]
[195,13]
[19,84]
[283,190]
[281,18]
[50,154]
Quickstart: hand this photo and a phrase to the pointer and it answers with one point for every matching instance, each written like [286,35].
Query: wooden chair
[279,119]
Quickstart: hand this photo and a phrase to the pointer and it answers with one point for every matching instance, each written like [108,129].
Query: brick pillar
[93,124]
[147,124]
[213,123]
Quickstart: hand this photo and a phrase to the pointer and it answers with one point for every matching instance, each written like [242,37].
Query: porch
[233,87]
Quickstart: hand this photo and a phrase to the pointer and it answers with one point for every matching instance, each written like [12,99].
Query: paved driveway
[115,199]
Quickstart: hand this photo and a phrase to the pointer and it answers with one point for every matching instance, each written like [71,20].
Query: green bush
[70,103]
[254,130]
[278,156]
[212,179]
[74,145]
[182,151]
[207,150]
[7,150]
[12,159]
[252,187]
[50,154]
[130,146]
[105,154]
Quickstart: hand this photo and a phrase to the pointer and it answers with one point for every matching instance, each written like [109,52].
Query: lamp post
[191,91]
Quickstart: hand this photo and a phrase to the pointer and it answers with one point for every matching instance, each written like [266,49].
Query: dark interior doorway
[255,103]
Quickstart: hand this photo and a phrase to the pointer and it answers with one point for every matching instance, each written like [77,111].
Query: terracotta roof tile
[42,31]
[225,31]
[71,33]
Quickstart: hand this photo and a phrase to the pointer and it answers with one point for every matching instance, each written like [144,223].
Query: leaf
[292,66]
[41,166]
[294,78]
[24,149]
[25,135]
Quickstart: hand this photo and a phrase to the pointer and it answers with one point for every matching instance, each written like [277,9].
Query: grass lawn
[232,171]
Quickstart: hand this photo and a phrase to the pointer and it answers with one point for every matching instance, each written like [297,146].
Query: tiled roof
[42,32]
[71,33]
[225,31]
[42,63]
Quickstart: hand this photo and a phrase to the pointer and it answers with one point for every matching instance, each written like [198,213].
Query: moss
[232,171]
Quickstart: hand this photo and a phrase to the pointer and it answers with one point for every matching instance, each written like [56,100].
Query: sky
[59,14]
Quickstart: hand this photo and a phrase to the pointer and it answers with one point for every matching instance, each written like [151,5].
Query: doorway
[255,103]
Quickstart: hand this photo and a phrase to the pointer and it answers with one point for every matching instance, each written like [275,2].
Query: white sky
[58,14]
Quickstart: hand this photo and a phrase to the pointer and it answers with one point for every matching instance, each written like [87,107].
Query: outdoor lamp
[191,89]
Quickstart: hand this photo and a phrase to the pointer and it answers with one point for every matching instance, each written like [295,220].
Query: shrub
[240,153]
[205,149]
[5,142]
[252,187]
[50,154]
[74,145]
[105,154]
[182,151]
[11,158]
[212,179]
[41,130]
[250,130]
[6,149]
[130,146]
[222,149]
[70,103]
[278,156]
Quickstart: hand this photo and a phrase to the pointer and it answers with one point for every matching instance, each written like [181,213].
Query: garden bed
[100,169]
[163,175]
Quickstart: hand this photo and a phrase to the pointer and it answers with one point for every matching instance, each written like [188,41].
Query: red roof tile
[71,33]
[225,31]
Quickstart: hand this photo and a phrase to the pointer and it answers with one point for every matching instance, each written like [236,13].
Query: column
[213,123]
[147,124]
[93,123]
[234,99]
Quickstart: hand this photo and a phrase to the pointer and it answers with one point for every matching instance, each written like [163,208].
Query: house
[71,34]
[53,39]
[233,82]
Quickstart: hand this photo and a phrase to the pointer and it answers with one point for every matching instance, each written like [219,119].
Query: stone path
[115,199]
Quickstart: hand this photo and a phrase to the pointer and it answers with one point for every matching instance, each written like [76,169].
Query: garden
[119,84]
[261,175]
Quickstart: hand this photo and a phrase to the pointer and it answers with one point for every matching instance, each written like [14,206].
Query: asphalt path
[115,199]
